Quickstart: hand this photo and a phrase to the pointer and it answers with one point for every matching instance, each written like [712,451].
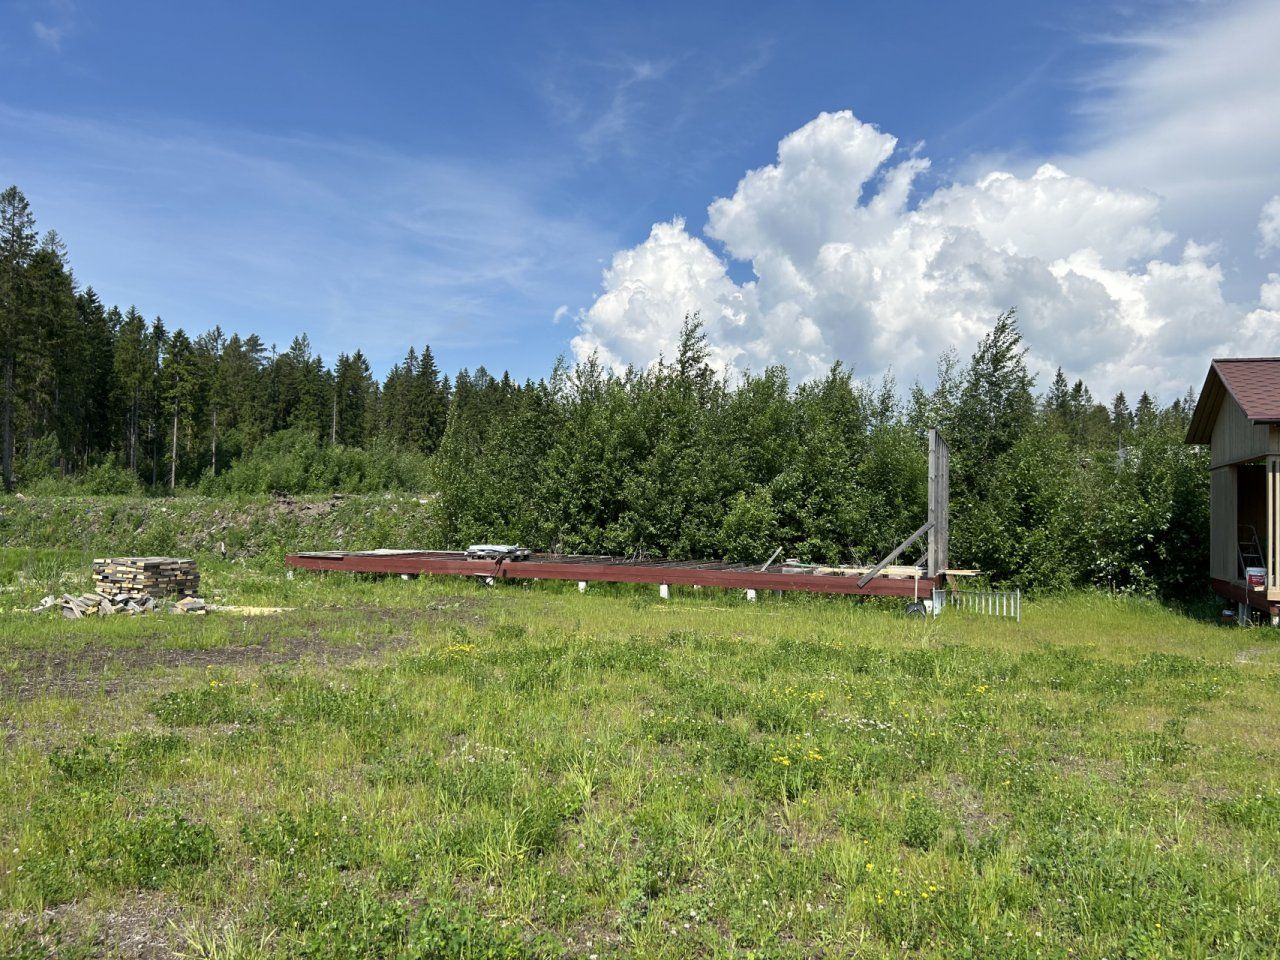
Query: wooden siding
[1236,439]
[1223,561]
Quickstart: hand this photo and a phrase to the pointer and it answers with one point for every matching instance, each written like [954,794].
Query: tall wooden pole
[939,503]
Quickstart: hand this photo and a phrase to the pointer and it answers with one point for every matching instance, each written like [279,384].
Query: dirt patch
[964,804]
[1252,654]
[1107,771]
[97,670]
[141,926]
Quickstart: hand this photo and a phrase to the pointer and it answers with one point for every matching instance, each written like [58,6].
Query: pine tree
[1145,413]
[432,403]
[179,383]
[156,344]
[131,375]
[353,390]
[1121,417]
[97,335]
[56,372]
[995,406]
[17,247]
[1056,404]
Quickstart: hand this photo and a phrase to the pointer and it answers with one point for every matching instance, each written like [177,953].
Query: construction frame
[917,583]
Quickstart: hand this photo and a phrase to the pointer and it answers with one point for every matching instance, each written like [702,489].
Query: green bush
[295,461]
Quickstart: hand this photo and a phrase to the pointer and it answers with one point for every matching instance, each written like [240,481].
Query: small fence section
[991,603]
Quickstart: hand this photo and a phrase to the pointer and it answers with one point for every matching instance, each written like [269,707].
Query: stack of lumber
[139,577]
[99,605]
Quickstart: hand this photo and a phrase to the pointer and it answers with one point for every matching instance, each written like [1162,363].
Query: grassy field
[427,769]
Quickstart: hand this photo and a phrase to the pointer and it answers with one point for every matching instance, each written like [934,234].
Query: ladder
[1249,549]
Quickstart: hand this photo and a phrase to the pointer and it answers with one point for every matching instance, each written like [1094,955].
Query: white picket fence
[991,603]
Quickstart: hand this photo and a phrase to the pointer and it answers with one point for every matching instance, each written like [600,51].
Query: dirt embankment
[192,525]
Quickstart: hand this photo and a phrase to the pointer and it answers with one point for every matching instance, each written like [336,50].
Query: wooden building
[1238,417]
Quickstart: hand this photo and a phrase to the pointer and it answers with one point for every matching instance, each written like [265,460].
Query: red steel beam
[435,563]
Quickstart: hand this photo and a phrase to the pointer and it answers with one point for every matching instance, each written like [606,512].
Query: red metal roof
[1253,382]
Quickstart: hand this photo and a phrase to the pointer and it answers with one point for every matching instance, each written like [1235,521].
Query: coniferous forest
[1051,487]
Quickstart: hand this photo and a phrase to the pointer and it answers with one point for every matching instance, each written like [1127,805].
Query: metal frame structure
[585,569]
[600,569]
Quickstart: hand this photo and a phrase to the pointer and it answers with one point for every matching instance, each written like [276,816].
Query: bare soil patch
[85,671]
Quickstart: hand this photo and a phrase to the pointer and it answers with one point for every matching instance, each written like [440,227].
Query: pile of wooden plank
[138,577]
[99,605]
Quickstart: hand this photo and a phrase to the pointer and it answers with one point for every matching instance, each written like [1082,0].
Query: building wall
[1235,439]
[1223,560]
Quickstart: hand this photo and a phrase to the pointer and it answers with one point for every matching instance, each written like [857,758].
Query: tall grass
[431,769]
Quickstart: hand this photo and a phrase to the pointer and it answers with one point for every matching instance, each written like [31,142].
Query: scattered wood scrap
[75,607]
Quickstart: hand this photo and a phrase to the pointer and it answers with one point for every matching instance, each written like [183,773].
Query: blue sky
[386,174]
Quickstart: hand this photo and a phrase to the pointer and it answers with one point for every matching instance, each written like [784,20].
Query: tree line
[1049,489]
[85,384]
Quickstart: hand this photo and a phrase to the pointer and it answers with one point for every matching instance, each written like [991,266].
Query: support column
[582,586]
[664,591]
[939,503]
[1272,546]
[751,595]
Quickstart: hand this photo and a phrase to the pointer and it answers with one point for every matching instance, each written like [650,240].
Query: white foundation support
[751,595]
[582,586]
[664,591]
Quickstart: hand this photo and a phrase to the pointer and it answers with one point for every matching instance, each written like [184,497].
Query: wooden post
[1272,545]
[939,503]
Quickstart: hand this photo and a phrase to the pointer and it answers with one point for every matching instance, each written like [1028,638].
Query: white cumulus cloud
[1269,225]
[849,265]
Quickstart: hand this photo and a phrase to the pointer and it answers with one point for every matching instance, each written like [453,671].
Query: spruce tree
[17,247]
[178,393]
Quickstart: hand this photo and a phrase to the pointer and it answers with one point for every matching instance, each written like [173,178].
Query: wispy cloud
[608,113]
[1187,109]
[56,21]
[621,106]
[50,36]
[356,244]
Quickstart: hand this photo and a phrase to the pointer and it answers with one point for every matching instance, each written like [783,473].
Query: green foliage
[921,823]
[215,704]
[94,763]
[318,836]
[325,923]
[295,461]
[147,851]
[750,528]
